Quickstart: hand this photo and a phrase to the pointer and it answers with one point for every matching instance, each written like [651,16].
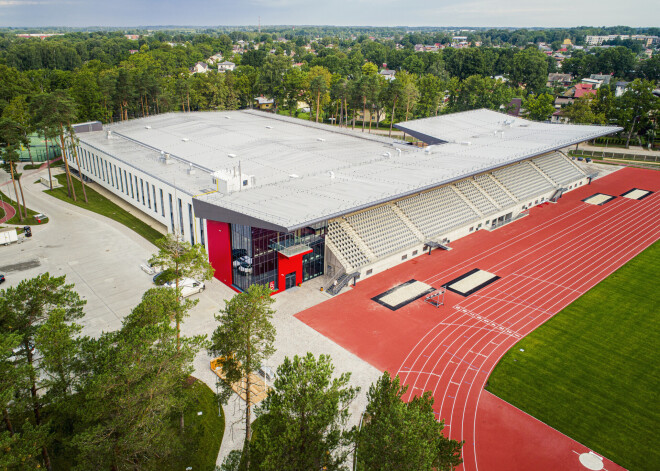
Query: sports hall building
[280,201]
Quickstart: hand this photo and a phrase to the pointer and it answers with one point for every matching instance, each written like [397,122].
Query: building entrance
[290,280]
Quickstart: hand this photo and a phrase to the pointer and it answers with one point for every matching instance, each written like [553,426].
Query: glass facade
[255,253]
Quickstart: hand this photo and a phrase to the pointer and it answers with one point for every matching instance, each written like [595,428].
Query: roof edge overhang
[213,212]
[218,213]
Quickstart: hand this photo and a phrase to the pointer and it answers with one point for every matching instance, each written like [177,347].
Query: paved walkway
[8,211]
[102,258]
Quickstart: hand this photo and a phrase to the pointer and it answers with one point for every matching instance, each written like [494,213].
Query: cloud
[22,3]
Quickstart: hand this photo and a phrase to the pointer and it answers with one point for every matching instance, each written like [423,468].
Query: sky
[478,13]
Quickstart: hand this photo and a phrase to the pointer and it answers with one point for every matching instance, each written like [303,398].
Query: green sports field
[593,370]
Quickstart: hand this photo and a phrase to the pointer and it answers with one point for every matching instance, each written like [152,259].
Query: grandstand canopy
[301,173]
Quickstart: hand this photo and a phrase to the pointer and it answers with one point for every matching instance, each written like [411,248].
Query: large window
[201,232]
[130,179]
[162,205]
[180,217]
[192,230]
[153,187]
[148,196]
[171,213]
[142,191]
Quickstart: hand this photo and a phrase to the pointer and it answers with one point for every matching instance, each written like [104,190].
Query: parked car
[27,231]
[2,279]
[188,286]
[40,217]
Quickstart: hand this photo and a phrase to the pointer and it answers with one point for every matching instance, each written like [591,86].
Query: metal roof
[305,172]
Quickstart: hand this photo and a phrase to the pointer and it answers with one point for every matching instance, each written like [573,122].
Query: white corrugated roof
[338,170]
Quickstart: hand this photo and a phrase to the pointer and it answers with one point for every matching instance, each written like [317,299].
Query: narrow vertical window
[180,217]
[192,230]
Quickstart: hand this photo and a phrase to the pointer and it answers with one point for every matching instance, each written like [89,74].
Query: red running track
[546,261]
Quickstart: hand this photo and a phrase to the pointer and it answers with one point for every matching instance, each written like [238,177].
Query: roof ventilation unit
[232,156]
[293,175]
[166,158]
[147,127]
[108,134]
[332,175]
[230,180]
[269,127]
[320,139]
[185,139]
[191,169]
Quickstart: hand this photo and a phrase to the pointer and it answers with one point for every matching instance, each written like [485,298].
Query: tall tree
[132,389]
[318,87]
[540,107]
[181,260]
[55,112]
[25,310]
[271,79]
[302,419]
[399,435]
[430,88]
[18,110]
[245,339]
[12,136]
[530,68]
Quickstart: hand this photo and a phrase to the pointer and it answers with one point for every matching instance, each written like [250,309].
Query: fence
[615,155]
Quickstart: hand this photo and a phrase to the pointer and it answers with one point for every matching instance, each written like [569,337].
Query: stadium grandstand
[279,201]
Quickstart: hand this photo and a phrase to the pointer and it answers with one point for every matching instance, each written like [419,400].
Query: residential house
[572,94]
[199,68]
[559,80]
[620,88]
[558,118]
[133,51]
[370,115]
[595,84]
[225,66]
[264,104]
[604,78]
[387,74]
[214,58]
[513,107]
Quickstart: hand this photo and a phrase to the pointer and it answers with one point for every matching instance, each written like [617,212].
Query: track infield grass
[593,370]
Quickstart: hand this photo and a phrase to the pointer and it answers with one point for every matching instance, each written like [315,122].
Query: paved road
[102,258]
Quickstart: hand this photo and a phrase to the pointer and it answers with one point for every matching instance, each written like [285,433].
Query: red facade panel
[288,265]
[219,246]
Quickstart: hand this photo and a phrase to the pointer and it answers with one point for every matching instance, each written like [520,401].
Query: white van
[8,235]
[188,286]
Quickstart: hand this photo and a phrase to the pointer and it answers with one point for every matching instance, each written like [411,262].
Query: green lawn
[593,370]
[101,205]
[27,221]
[202,435]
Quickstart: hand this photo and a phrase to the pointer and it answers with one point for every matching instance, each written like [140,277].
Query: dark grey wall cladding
[87,127]
[216,213]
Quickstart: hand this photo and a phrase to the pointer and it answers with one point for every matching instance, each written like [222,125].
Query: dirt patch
[20,266]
